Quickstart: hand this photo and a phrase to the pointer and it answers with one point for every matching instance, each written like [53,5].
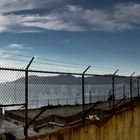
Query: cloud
[18,47]
[8,53]
[20,23]
[15,46]
[19,5]
[3,23]
[121,17]
[73,18]
[56,23]
[128,13]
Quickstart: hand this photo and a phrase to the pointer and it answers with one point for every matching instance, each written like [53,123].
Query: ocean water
[42,94]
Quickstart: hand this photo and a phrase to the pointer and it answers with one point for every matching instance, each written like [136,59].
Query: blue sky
[104,34]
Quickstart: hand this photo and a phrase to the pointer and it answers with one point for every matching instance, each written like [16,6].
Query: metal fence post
[26,99]
[58,102]
[90,98]
[113,89]
[138,86]
[109,100]
[76,101]
[131,90]
[124,93]
[48,102]
[83,94]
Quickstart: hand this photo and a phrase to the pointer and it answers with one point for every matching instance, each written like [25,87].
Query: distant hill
[71,80]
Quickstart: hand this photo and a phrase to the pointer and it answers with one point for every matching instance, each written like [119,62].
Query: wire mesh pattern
[12,96]
[11,91]
[24,89]
[53,89]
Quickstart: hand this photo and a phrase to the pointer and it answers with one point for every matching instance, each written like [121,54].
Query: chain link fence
[28,97]
[12,96]
[53,90]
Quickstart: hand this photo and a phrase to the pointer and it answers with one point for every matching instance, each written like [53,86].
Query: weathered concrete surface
[123,125]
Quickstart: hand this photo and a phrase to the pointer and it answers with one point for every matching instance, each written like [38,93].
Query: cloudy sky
[101,33]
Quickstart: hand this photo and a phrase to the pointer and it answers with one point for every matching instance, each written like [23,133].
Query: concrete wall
[124,125]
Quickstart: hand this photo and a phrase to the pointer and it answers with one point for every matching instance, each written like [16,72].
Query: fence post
[90,98]
[113,89]
[37,103]
[48,102]
[26,99]
[76,101]
[131,90]
[138,86]
[83,94]
[109,100]
[58,102]
[67,102]
[124,93]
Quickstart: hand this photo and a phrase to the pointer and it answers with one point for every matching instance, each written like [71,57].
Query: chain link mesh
[60,93]
[53,90]
[12,97]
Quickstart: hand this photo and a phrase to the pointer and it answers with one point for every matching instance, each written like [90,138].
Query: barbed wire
[41,63]
[59,63]
[14,59]
[53,60]
[45,63]
[55,69]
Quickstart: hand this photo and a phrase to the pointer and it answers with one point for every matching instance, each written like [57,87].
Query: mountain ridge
[71,80]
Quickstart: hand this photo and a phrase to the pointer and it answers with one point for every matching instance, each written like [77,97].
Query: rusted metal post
[26,99]
[83,94]
[113,89]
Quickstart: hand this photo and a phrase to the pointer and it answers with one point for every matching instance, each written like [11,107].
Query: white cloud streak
[19,5]
[121,17]
[18,47]
[15,46]
[7,53]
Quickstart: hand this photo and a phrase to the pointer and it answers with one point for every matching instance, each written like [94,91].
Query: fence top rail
[68,73]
